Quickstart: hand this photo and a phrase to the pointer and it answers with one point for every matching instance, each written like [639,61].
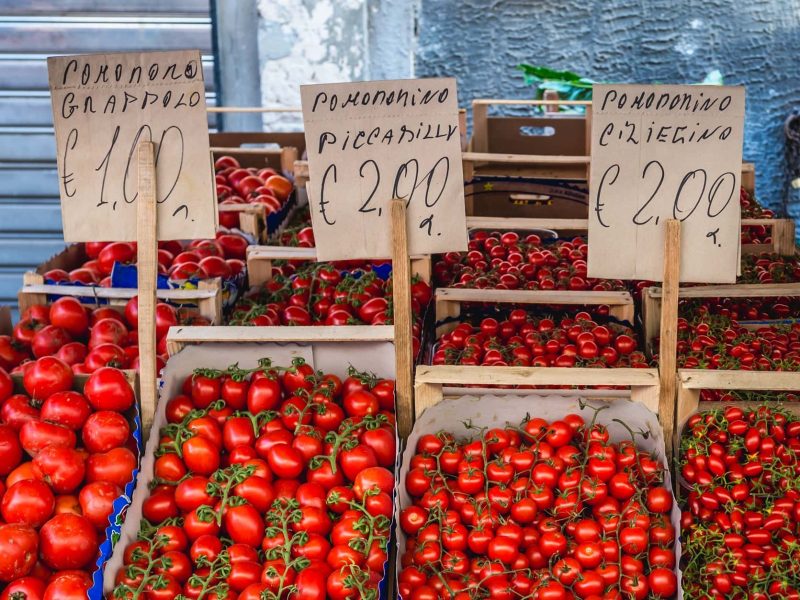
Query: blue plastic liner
[121,504]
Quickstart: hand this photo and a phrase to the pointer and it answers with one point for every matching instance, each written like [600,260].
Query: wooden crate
[260,259]
[693,381]
[782,232]
[181,336]
[651,300]
[252,219]
[260,149]
[448,301]
[433,383]
[553,145]
[207,297]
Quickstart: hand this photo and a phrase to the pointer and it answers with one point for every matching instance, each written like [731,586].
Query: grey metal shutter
[31,30]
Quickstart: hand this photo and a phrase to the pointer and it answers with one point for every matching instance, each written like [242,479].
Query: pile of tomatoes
[769,268]
[524,340]
[87,339]
[739,525]
[718,342]
[237,185]
[507,261]
[322,294]
[547,511]
[268,483]
[298,231]
[65,457]
[742,309]
[199,259]
[751,209]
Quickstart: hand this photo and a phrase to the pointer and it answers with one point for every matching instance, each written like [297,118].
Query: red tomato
[115,466]
[47,376]
[10,450]
[69,409]
[96,502]
[18,551]
[70,315]
[24,588]
[63,468]
[68,542]
[107,389]
[48,340]
[104,430]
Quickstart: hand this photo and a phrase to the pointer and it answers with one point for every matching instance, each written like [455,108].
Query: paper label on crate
[664,152]
[103,105]
[370,142]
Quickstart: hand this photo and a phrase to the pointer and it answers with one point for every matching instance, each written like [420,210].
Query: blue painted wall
[755,43]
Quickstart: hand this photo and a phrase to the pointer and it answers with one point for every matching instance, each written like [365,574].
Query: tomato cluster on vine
[65,457]
[718,342]
[525,340]
[742,504]
[322,294]
[509,261]
[540,511]
[269,483]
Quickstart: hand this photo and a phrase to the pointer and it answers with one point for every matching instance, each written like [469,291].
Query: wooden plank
[534,296]
[403,319]
[740,290]
[426,395]
[104,293]
[522,223]
[464,375]
[180,336]
[480,129]
[524,159]
[711,379]
[526,102]
[668,354]
[147,271]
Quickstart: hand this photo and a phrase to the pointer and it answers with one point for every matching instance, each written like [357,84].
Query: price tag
[666,152]
[103,104]
[371,142]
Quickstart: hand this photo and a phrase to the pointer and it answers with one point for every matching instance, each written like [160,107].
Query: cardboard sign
[665,152]
[103,104]
[371,142]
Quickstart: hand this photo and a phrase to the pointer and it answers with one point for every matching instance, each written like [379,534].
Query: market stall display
[70,451]
[572,499]
[288,455]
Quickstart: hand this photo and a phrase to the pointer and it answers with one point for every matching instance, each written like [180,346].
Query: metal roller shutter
[30,216]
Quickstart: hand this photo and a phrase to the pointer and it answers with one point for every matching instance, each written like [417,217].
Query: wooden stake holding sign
[386,154]
[122,122]
[664,196]
[147,272]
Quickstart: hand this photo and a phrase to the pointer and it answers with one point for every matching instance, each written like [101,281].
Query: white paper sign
[374,141]
[661,152]
[103,104]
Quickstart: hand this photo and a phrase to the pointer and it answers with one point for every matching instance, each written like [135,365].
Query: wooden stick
[147,262]
[524,159]
[509,102]
[667,355]
[252,109]
[401,301]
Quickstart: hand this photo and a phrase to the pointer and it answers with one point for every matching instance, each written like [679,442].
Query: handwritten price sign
[666,152]
[371,142]
[103,105]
